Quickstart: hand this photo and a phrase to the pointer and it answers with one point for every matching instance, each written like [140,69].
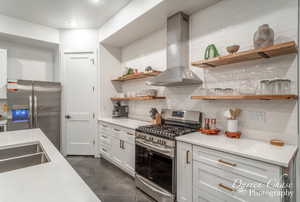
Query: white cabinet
[3,73]
[184,172]
[117,145]
[116,150]
[208,175]
[129,156]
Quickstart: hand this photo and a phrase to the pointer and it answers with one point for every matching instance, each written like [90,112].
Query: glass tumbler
[285,86]
[264,87]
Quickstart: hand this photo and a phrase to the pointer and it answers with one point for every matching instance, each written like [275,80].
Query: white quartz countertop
[53,181]
[253,149]
[2,122]
[125,122]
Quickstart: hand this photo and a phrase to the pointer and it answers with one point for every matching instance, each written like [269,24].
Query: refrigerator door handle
[35,112]
[30,112]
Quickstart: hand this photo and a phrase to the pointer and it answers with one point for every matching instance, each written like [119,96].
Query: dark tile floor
[107,181]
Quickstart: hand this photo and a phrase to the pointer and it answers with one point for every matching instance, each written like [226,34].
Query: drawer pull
[130,134]
[104,126]
[105,137]
[227,188]
[227,163]
[188,157]
[104,150]
[116,130]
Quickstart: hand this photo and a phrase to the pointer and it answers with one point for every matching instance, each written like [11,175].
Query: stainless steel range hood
[178,72]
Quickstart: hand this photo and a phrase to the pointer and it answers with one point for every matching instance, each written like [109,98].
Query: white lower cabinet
[205,175]
[184,172]
[116,151]
[117,145]
[129,157]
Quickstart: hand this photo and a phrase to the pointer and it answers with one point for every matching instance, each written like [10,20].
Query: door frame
[63,54]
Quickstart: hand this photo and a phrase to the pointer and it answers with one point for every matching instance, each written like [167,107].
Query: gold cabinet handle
[130,134]
[227,188]
[227,163]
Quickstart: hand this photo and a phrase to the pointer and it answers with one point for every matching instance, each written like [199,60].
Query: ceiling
[63,14]
[155,19]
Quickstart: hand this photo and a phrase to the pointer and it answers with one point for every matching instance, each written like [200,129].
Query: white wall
[219,25]
[79,40]
[29,62]
[149,51]
[16,27]
[110,68]
[129,13]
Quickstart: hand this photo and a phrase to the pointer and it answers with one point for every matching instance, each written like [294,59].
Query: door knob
[67,116]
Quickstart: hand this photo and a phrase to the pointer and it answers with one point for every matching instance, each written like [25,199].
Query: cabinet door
[129,157]
[3,73]
[116,151]
[184,172]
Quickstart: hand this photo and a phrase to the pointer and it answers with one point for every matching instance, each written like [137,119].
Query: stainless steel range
[155,163]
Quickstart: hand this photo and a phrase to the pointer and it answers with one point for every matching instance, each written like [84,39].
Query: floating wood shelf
[247,97]
[137,98]
[243,56]
[137,76]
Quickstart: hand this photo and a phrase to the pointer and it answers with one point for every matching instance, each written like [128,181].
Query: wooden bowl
[233,134]
[233,49]
[210,131]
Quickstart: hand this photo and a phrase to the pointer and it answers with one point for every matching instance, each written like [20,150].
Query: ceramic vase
[263,37]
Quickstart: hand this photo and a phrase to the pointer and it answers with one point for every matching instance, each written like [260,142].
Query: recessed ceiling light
[95,1]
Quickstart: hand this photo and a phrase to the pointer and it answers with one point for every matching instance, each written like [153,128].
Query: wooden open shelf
[247,97]
[243,56]
[139,75]
[137,98]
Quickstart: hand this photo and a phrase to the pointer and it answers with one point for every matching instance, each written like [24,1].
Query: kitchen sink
[17,157]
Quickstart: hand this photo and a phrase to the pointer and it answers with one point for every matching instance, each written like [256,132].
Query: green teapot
[211,52]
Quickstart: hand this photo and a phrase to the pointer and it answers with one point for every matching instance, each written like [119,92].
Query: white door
[80,106]
[3,73]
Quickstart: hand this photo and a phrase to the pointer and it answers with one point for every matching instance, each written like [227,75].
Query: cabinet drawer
[105,128]
[104,141]
[104,150]
[104,136]
[213,183]
[105,145]
[128,137]
[256,170]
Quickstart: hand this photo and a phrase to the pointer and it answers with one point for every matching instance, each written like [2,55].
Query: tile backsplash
[259,119]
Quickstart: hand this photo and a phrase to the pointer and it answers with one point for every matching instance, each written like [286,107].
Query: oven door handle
[153,188]
[154,147]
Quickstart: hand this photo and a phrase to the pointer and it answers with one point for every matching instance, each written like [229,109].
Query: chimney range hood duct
[178,72]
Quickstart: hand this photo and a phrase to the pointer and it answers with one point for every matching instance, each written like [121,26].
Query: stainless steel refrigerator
[35,104]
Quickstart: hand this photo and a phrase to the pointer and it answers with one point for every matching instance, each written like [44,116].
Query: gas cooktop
[165,131]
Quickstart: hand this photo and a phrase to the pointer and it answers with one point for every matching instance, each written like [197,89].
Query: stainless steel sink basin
[16,157]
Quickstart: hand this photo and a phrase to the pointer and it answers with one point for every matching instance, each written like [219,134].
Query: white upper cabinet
[3,73]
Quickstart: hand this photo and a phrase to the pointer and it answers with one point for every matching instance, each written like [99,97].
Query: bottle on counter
[206,123]
[213,124]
